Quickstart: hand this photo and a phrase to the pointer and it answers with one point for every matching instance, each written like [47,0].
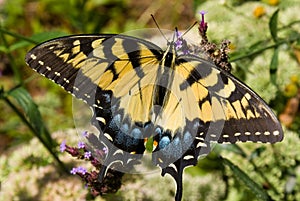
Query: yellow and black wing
[115,75]
[137,91]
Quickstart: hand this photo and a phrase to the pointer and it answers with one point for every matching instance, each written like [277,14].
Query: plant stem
[17,36]
[16,73]
[292,39]
[263,176]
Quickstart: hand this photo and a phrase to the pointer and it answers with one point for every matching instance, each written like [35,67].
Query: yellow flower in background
[232,47]
[272,2]
[294,79]
[259,11]
[292,88]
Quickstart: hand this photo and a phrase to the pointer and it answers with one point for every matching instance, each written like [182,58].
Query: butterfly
[138,92]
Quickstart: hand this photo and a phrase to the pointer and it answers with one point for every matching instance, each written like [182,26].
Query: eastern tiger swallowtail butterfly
[138,91]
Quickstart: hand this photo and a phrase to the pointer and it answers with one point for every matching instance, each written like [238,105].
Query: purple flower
[202,13]
[178,42]
[87,154]
[85,134]
[62,146]
[73,171]
[81,145]
[203,24]
[105,150]
[81,170]
[185,52]
[178,34]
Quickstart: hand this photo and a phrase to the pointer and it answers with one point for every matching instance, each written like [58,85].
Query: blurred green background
[36,114]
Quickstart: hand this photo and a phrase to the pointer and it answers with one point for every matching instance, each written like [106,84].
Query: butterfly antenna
[176,33]
[158,27]
[189,29]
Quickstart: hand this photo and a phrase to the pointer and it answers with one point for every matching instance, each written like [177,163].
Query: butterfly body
[138,91]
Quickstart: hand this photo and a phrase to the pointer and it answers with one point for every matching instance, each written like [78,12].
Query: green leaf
[32,113]
[3,48]
[273,25]
[257,152]
[259,192]
[25,41]
[257,45]
[274,66]
[30,108]
[15,46]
